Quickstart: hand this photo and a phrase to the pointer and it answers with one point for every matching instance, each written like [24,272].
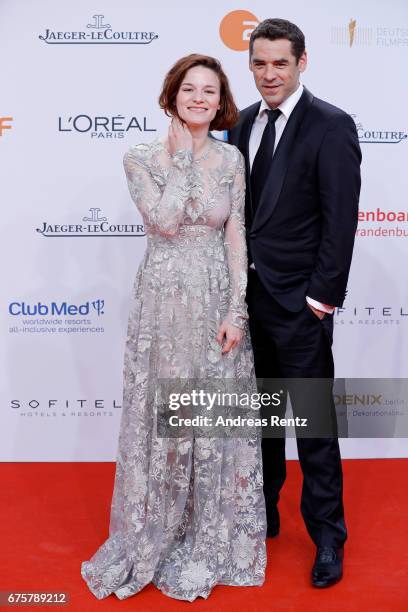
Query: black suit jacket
[301,236]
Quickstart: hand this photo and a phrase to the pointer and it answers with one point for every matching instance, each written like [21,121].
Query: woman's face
[198,98]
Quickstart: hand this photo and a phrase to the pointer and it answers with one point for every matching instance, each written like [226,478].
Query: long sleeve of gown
[162,208]
[236,249]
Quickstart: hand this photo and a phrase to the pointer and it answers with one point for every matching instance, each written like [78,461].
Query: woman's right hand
[179,136]
[232,334]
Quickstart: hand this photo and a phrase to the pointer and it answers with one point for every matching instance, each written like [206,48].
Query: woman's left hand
[232,334]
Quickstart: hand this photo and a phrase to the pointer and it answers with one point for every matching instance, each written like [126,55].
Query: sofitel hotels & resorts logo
[386,315]
[97,32]
[62,407]
[92,226]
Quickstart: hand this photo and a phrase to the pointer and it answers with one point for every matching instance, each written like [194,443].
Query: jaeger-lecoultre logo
[98,33]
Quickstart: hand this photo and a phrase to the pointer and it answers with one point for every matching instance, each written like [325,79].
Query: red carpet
[54,515]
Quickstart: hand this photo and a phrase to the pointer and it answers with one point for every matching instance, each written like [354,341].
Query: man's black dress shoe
[328,566]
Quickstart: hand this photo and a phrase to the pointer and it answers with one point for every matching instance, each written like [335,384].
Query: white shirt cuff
[320,306]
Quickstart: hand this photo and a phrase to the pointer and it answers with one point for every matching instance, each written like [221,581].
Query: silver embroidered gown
[186,514]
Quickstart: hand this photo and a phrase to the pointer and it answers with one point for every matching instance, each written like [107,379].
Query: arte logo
[55,309]
[236,29]
[97,33]
[93,226]
[378,136]
[355,35]
[105,127]
[5,124]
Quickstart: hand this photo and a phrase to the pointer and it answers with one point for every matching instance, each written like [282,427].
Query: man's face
[275,70]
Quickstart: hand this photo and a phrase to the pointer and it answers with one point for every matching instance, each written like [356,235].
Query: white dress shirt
[255,140]
[262,119]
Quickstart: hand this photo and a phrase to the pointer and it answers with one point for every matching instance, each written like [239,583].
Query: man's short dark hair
[274,29]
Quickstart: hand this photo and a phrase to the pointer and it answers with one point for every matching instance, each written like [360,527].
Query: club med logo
[379,216]
[55,309]
[353,35]
[93,226]
[378,136]
[56,318]
[97,33]
[5,124]
[236,28]
[105,127]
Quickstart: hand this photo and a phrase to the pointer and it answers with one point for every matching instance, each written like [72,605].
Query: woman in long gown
[187,513]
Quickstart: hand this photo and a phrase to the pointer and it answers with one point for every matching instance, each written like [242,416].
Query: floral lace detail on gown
[186,514]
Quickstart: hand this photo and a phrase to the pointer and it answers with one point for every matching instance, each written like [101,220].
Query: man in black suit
[303,184]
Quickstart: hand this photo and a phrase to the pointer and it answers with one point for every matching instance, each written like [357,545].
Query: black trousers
[298,345]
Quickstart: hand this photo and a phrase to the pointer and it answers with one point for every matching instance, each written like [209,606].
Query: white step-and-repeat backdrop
[80,82]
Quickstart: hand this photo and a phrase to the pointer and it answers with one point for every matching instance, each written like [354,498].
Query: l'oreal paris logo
[108,127]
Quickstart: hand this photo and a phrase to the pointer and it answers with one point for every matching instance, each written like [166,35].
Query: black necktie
[263,158]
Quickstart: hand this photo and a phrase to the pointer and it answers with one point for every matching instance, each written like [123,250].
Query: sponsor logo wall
[82,86]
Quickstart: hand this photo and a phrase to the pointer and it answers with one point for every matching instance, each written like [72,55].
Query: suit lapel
[273,185]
